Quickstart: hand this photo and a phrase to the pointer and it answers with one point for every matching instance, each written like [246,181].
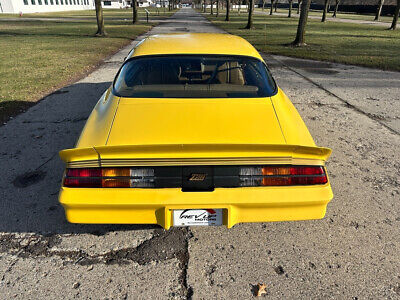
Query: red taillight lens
[311,170]
[282,175]
[82,182]
[87,172]
[109,177]
[87,177]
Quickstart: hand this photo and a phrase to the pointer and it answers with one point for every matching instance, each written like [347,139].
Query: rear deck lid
[195,121]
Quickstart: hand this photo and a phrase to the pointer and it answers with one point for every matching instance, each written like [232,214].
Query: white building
[144,3]
[34,6]
[115,3]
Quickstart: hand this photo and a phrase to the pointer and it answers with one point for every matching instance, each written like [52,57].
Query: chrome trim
[193,161]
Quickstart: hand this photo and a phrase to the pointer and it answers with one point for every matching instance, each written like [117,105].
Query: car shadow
[31,168]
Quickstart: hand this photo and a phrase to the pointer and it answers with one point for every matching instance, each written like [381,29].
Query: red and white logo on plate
[197,217]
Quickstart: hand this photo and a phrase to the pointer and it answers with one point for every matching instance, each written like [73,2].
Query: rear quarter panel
[97,127]
[293,127]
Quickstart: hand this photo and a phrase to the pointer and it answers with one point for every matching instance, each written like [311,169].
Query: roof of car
[195,43]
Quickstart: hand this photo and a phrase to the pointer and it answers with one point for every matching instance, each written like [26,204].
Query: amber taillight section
[109,177]
[282,175]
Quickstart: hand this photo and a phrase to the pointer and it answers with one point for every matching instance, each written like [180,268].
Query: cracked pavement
[351,253]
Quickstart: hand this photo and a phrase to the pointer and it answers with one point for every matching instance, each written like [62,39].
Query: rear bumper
[154,206]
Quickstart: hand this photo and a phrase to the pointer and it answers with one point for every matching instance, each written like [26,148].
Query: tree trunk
[395,16]
[134,12]
[298,6]
[212,9]
[271,11]
[290,8]
[250,18]
[217,13]
[301,28]
[326,4]
[276,5]
[263,5]
[239,6]
[228,4]
[379,10]
[100,19]
[336,8]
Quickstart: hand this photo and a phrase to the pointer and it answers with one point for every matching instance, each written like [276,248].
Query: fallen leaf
[261,289]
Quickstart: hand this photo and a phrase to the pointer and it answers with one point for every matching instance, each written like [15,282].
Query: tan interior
[230,72]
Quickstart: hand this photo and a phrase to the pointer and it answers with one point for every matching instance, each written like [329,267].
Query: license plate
[197,217]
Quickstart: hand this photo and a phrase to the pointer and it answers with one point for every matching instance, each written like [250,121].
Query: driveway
[352,253]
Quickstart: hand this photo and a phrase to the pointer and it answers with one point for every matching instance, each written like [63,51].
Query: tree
[250,18]
[379,10]
[100,19]
[301,28]
[326,4]
[336,8]
[217,13]
[228,4]
[298,6]
[276,5]
[290,8]
[239,7]
[134,11]
[263,5]
[272,7]
[395,16]
[212,9]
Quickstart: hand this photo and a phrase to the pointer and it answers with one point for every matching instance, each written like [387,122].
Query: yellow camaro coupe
[194,131]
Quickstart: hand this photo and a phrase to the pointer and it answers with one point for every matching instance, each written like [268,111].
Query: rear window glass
[193,76]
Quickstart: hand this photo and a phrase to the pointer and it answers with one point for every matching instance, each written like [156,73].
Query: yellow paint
[295,131]
[195,43]
[98,124]
[154,206]
[204,153]
[129,132]
[192,121]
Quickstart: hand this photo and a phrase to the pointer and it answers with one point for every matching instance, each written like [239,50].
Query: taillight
[109,177]
[282,175]
[175,177]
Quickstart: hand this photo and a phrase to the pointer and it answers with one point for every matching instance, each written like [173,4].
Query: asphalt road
[351,254]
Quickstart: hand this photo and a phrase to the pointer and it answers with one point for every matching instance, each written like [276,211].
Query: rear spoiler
[194,154]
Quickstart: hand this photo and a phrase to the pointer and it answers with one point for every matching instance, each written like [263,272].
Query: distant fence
[359,9]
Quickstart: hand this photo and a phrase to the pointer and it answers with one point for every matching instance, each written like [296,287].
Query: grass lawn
[359,44]
[340,15]
[38,57]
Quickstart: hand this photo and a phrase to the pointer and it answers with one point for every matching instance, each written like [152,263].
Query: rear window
[190,76]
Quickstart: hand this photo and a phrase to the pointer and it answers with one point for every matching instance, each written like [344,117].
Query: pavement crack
[67,120]
[184,264]
[45,162]
[163,246]
[347,104]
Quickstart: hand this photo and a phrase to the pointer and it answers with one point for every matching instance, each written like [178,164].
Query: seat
[230,72]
